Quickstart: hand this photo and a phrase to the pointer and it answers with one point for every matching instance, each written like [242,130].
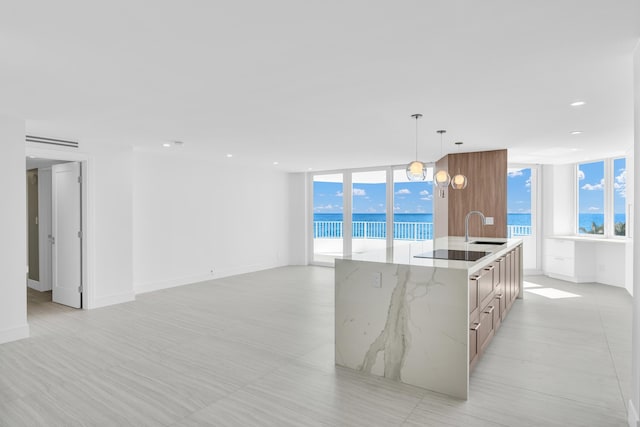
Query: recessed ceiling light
[229,155]
[576,132]
[577,103]
[166,145]
[275,163]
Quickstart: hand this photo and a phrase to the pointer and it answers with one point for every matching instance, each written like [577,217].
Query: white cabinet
[560,258]
[580,259]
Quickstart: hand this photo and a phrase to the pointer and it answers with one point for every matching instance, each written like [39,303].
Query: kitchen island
[424,321]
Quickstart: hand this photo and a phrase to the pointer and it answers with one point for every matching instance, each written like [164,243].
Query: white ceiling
[325,84]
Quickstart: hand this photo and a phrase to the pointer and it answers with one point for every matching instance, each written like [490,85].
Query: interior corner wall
[634,404]
[13,229]
[299,219]
[558,200]
[196,219]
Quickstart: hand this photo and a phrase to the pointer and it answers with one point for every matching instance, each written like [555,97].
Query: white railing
[374,230]
[401,230]
[518,230]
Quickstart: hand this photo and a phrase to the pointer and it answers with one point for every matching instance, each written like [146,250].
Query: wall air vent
[51,141]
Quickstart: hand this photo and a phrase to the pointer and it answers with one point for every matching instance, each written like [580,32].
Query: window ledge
[592,239]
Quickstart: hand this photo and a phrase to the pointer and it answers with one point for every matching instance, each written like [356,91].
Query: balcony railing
[518,230]
[401,230]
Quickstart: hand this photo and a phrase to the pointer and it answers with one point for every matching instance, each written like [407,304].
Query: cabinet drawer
[485,326]
[501,270]
[485,285]
[500,304]
[560,265]
[473,293]
[473,341]
[560,248]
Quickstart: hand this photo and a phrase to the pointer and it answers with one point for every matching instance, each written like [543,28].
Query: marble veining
[394,338]
[411,329]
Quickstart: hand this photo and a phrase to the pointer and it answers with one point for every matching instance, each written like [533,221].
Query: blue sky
[409,197]
[619,185]
[519,190]
[591,187]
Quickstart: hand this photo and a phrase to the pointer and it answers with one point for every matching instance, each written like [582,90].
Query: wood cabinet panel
[486,191]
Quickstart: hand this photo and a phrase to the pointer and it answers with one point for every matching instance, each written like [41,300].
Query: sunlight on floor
[552,293]
[526,285]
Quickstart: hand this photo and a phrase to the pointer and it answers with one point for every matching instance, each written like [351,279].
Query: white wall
[299,219]
[634,404]
[13,257]
[558,200]
[110,179]
[192,215]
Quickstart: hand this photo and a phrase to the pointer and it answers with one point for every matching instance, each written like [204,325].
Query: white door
[67,237]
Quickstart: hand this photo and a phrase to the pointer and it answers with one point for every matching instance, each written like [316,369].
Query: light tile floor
[257,350]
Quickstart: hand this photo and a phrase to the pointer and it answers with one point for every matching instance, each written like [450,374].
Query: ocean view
[512,219]
[420,225]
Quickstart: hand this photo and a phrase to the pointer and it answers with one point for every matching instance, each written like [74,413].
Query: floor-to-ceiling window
[412,207]
[519,213]
[328,221]
[369,210]
[522,202]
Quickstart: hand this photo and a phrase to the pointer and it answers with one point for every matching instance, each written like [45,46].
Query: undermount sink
[486,242]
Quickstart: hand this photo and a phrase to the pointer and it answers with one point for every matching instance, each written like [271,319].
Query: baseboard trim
[14,334]
[561,277]
[533,272]
[143,288]
[111,300]
[35,285]
[632,415]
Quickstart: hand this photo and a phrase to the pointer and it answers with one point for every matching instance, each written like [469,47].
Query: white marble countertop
[404,253]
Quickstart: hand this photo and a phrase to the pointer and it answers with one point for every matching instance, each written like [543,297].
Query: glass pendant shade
[442,178]
[459,182]
[416,171]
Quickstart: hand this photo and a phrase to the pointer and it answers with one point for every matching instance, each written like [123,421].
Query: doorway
[55,235]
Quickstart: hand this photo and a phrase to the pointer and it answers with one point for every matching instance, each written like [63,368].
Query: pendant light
[416,171]
[441,178]
[459,181]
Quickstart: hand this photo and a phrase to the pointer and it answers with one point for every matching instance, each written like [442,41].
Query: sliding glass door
[369,210]
[412,207]
[328,221]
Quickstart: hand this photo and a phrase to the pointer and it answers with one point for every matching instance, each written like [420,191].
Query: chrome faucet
[466,223]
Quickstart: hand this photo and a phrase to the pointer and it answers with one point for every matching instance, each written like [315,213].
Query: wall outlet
[376,279]
[489,220]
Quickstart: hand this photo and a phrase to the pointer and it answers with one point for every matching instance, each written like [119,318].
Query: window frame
[608,199]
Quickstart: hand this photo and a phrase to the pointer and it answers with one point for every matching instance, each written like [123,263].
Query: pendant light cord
[416,116]
[417,137]
[441,132]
